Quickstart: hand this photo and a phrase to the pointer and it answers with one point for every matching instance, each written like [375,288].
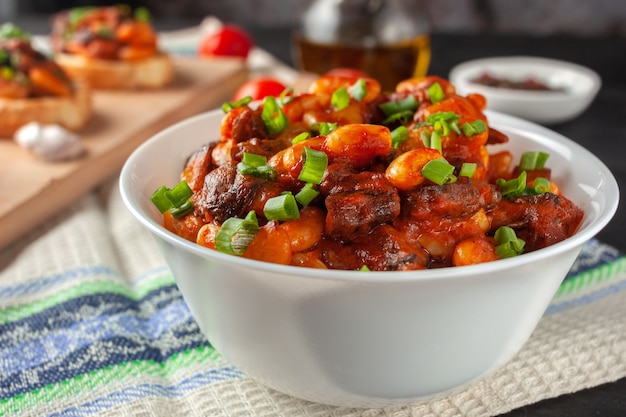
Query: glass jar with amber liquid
[387,39]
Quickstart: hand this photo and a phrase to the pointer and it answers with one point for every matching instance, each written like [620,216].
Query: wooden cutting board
[32,190]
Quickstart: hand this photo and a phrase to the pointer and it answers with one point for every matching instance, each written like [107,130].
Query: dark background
[587,32]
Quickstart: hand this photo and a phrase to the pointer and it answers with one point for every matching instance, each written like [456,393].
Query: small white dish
[572,87]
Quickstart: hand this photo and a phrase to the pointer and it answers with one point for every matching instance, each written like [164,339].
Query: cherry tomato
[347,72]
[230,40]
[259,88]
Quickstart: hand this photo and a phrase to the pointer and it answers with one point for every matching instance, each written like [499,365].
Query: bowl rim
[458,76]
[577,240]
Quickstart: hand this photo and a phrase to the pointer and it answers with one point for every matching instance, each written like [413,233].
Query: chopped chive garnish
[398,135]
[306,194]
[229,105]
[358,90]
[443,122]
[236,234]
[181,210]
[431,139]
[286,96]
[439,171]
[275,120]
[7,73]
[402,117]
[160,200]
[323,128]
[9,30]
[435,141]
[281,208]
[467,169]
[473,128]
[176,199]
[77,13]
[399,106]
[533,160]
[142,14]
[253,160]
[541,185]
[300,138]
[364,268]
[257,167]
[179,194]
[508,243]
[314,165]
[340,99]
[513,187]
[435,92]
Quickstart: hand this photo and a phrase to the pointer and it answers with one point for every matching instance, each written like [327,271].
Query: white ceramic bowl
[579,84]
[377,338]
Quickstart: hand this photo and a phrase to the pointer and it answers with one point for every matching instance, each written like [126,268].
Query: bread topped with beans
[34,88]
[111,47]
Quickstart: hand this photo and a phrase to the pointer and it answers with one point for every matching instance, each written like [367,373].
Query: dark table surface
[601,129]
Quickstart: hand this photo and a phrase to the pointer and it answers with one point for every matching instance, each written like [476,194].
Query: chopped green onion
[176,200]
[260,171]
[179,194]
[533,160]
[358,90]
[236,234]
[306,194]
[253,159]
[300,138]
[286,96]
[392,107]
[513,187]
[435,141]
[365,268]
[467,169]
[402,117]
[505,234]
[442,116]
[431,139]
[508,243]
[435,92]
[443,122]
[160,200]
[398,135]
[275,120]
[7,73]
[323,128]
[256,165]
[314,165]
[439,171]
[542,185]
[9,30]
[281,208]
[105,32]
[340,99]
[473,128]
[229,105]
[182,210]
[77,13]
[142,14]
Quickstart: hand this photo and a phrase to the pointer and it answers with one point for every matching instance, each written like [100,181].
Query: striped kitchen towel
[92,323]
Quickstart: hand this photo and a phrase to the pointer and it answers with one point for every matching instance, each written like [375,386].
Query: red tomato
[230,40]
[259,88]
[347,72]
